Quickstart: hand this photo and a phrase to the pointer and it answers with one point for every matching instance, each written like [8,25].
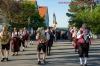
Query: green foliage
[19,12]
[90,18]
[80,13]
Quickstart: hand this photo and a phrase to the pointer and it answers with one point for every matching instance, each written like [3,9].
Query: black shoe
[23,50]
[26,46]
[43,60]
[16,54]
[2,59]
[81,65]
[7,59]
[39,62]
[86,65]
[75,50]
[13,55]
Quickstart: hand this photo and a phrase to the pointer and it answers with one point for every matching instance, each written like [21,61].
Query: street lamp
[32,21]
[28,22]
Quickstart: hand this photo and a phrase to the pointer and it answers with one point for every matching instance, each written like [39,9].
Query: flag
[54,18]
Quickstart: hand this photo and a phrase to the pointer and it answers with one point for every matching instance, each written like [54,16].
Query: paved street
[62,55]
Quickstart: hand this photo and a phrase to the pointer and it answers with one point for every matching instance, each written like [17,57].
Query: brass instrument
[5,36]
[41,36]
[21,33]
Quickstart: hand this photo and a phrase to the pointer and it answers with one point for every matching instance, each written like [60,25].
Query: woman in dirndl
[15,42]
[74,36]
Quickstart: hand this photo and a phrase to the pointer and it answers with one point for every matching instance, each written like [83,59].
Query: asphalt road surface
[62,54]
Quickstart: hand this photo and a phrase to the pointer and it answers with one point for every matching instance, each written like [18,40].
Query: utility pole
[28,22]
[92,2]
[91,7]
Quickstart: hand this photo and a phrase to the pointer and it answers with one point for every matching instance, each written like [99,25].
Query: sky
[60,11]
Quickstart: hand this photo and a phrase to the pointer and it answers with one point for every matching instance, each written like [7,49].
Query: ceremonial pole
[54,23]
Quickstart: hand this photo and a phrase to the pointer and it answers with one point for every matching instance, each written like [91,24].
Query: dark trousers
[83,49]
[48,50]
[49,45]
[31,38]
[22,41]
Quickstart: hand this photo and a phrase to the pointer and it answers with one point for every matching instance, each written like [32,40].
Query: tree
[76,6]
[8,7]
[18,12]
[90,18]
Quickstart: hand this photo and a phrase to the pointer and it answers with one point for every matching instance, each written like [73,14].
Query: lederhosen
[41,45]
[83,47]
[22,41]
[31,36]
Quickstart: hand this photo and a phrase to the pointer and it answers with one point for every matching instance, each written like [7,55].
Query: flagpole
[54,22]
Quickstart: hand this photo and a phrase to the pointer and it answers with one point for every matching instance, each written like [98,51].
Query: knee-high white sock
[23,47]
[81,61]
[32,41]
[2,56]
[38,59]
[85,60]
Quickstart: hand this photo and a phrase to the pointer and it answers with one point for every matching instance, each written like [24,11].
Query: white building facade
[96,1]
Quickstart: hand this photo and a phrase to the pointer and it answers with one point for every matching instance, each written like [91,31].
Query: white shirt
[43,32]
[48,36]
[22,34]
[32,31]
[25,31]
[85,36]
[14,34]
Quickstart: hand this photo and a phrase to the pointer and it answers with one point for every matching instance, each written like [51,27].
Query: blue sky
[59,9]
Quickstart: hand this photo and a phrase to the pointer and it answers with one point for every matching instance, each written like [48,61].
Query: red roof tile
[42,11]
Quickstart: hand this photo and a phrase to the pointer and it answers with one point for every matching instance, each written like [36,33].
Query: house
[43,11]
[96,1]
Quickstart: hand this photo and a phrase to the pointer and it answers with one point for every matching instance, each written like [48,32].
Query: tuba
[21,33]
[5,36]
[41,36]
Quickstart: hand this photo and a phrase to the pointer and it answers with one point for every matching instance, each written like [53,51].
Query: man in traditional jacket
[26,36]
[84,42]
[42,39]
[5,42]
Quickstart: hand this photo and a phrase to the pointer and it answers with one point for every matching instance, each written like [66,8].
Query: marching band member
[22,37]
[5,42]
[15,42]
[43,31]
[42,39]
[74,36]
[32,33]
[47,34]
[26,36]
[72,32]
[84,41]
